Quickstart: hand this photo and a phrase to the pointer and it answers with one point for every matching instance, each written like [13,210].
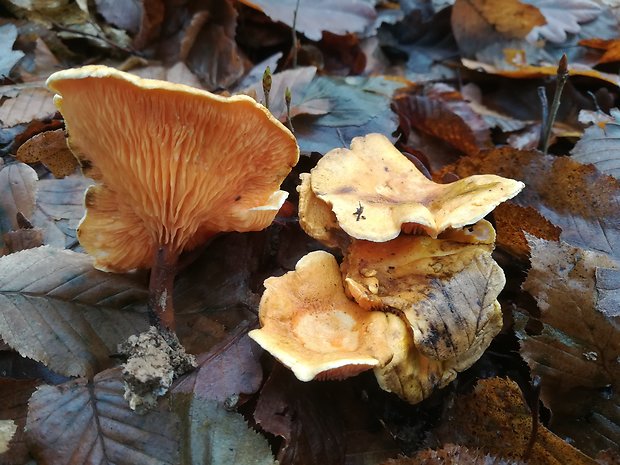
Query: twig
[295,34]
[287,99]
[562,77]
[542,95]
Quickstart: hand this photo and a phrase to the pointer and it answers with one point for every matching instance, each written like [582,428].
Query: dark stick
[562,77]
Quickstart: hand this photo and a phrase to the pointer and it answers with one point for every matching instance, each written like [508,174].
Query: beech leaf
[8,57]
[576,353]
[212,435]
[577,198]
[57,309]
[357,106]
[89,422]
[600,146]
[59,208]
[229,369]
[495,419]
[18,184]
[15,394]
[344,15]
[562,18]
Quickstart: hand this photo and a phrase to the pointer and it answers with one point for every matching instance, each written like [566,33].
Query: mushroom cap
[445,288]
[310,325]
[316,217]
[174,164]
[374,190]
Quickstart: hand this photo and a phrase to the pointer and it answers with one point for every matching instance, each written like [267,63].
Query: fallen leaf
[22,239]
[29,103]
[297,81]
[220,64]
[451,454]
[344,15]
[478,23]
[141,18]
[214,294]
[562,18]
[600,146]
[59,310]
[611,48]
[495,419]
[229,370]
[525,71]
[49,148]
[8,57]
[576,352]
[513,221]
[303,416]
[575,197]
[442,112]
[15,394]
[357,106]
[211,434]
[18,183]
[88,421]
[59,208]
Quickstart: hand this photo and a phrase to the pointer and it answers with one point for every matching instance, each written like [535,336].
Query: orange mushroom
[310,325]
[445,288]
[174,165]
[375,192]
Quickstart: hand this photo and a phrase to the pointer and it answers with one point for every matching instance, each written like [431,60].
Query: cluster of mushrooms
[415,296]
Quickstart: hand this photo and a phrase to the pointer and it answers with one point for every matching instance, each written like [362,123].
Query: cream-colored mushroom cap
[174,165]
[374,190]
[310,325]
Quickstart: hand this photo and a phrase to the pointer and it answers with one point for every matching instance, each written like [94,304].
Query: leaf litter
[452,84]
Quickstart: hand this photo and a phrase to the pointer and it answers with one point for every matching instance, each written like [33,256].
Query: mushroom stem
[161,284]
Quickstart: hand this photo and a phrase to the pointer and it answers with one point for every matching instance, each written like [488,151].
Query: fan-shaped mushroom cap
[316,217]
[374,190]
[446,290]
[175,165]
[310,325]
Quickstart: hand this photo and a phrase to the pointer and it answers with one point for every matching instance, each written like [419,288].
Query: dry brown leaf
[478,23]
[600,145]
[22,239]
[59,208]
[451,454]
[517,69]
[18,185]
[57,309]
[495,419]
[296,80]
[220,64]
[27,104]
[442,112]
[88,421]
[141,18]
[563,18]
[576,353]
[15,394]
[610,47]
[49,148]
[577,198]
[512,221]
[336,16]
